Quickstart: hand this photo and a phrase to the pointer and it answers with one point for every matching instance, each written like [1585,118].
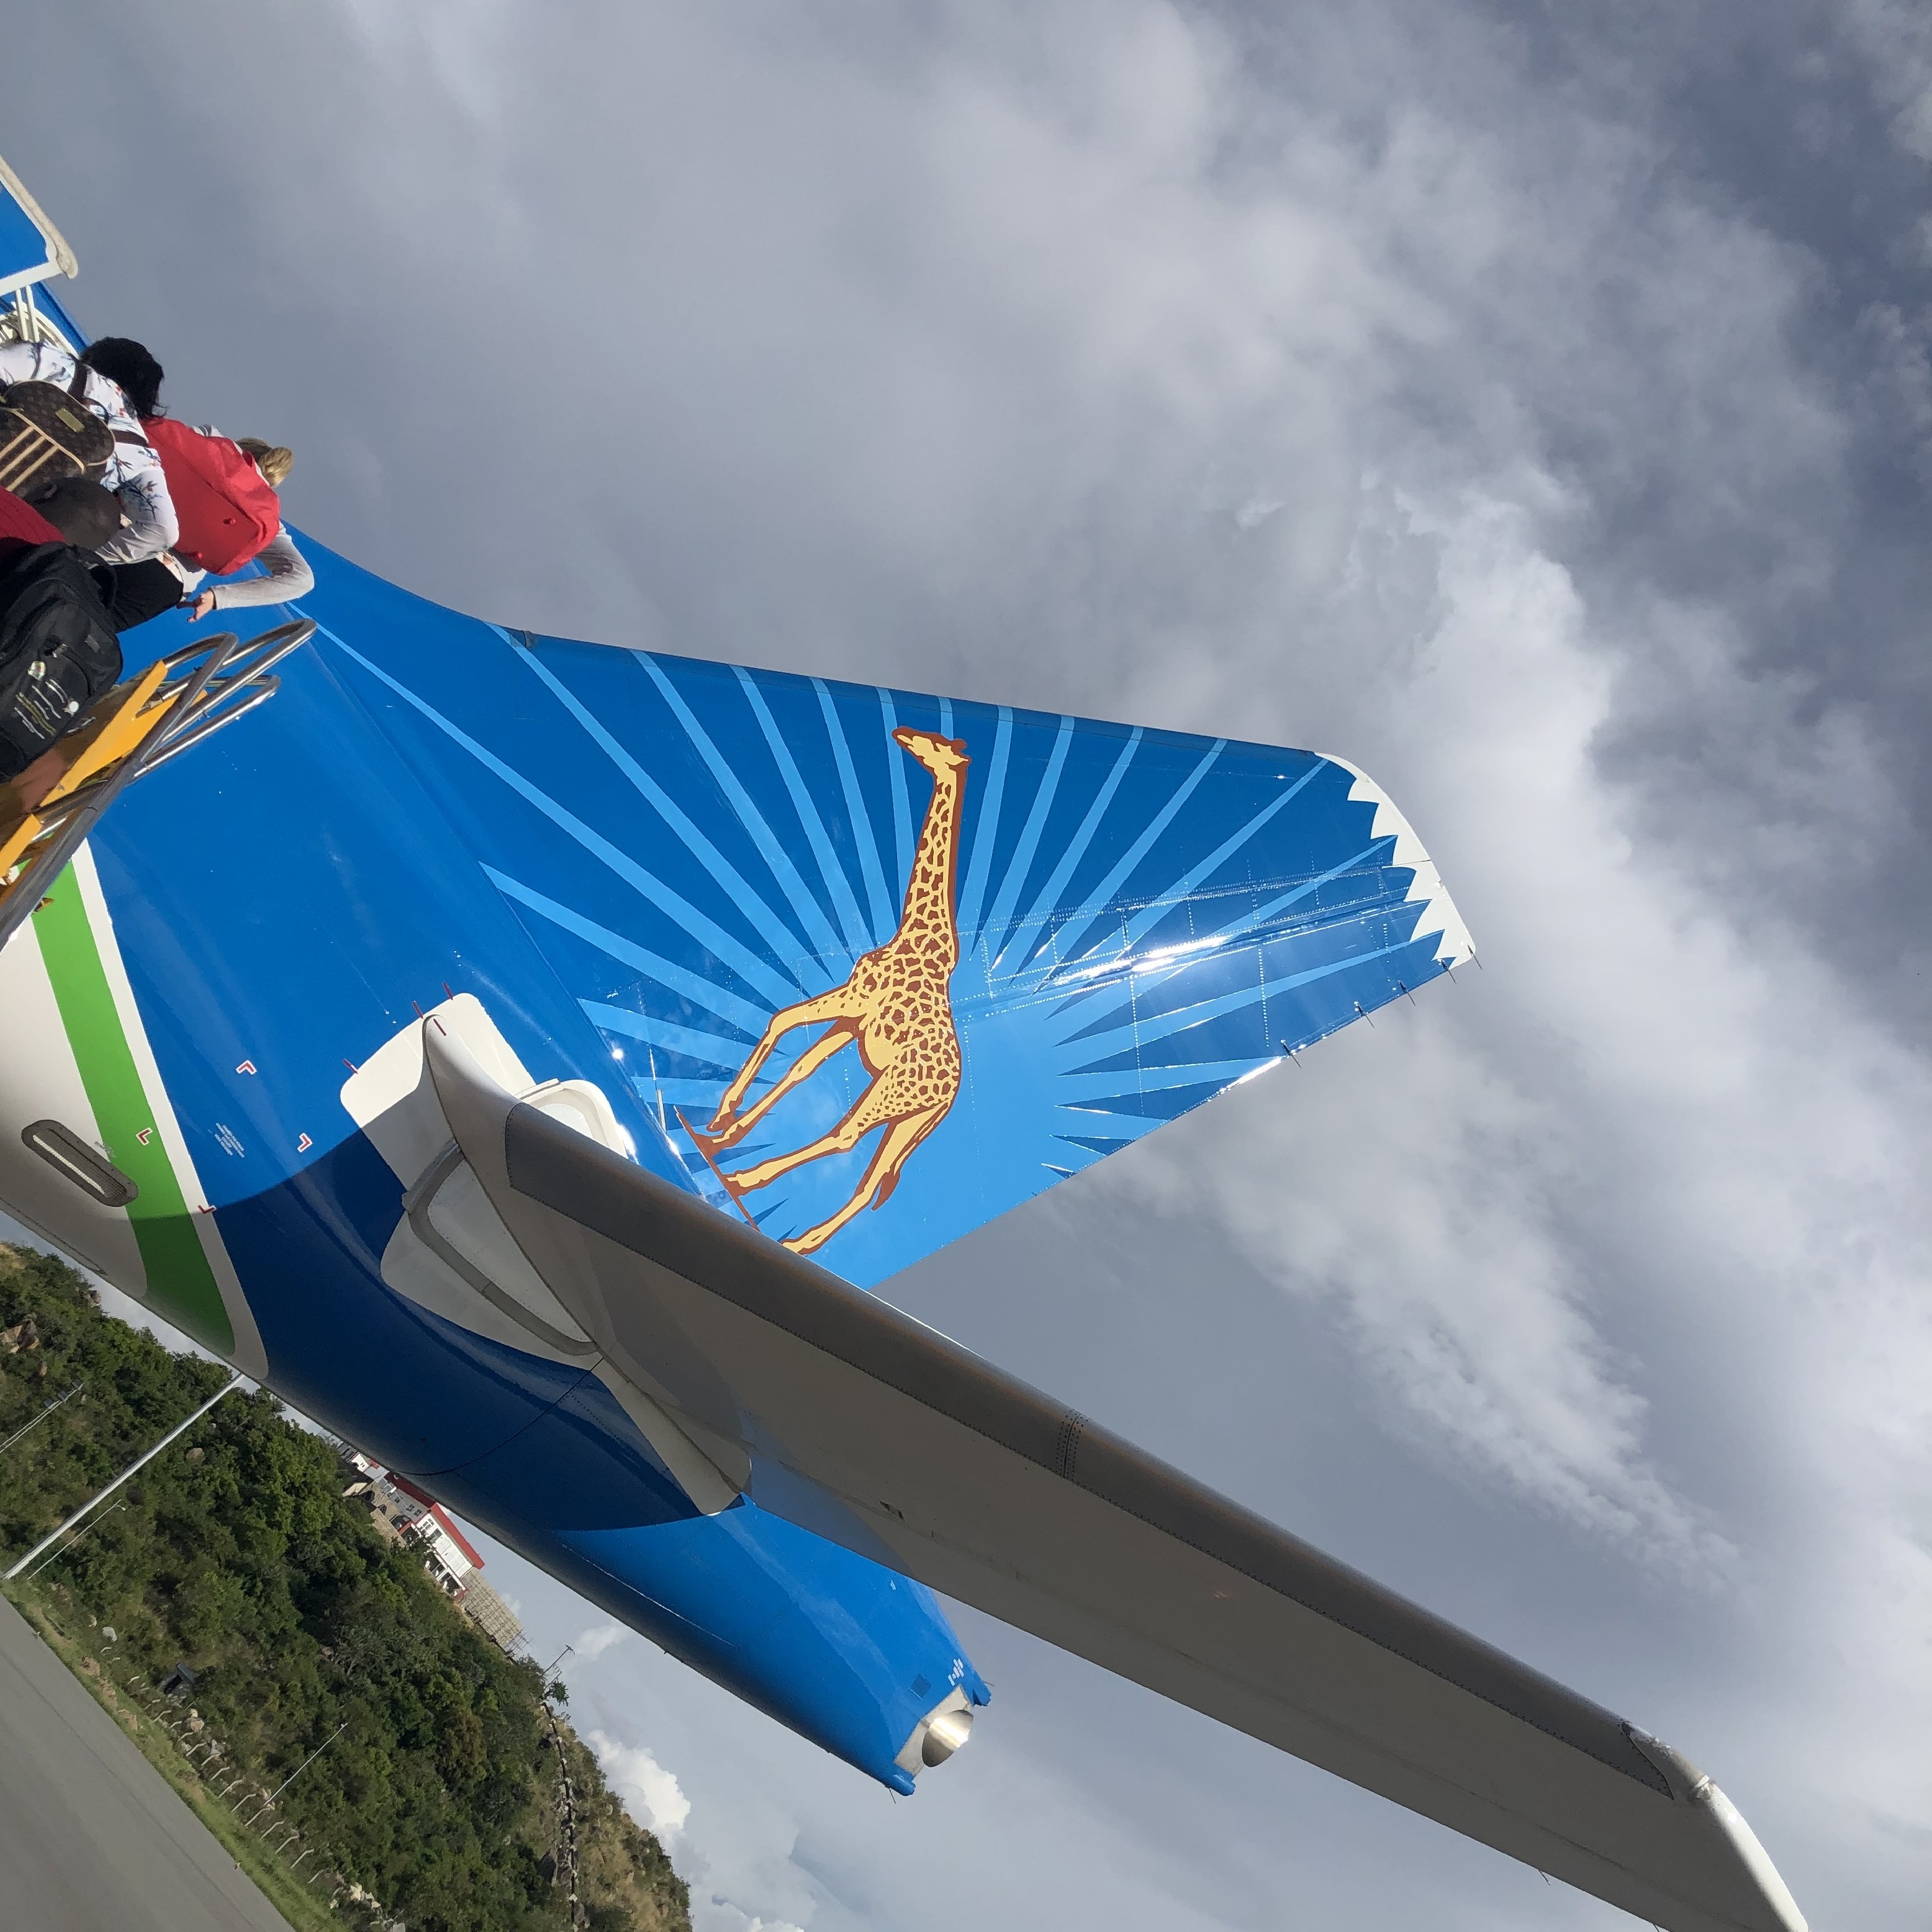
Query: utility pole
[140,1462]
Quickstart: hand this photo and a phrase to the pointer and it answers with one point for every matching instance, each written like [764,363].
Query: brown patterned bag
[47,432]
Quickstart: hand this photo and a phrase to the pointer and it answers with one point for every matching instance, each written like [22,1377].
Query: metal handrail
[206,726]
[242,671]
[230,681]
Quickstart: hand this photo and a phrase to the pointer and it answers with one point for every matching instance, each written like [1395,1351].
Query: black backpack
[47,432]
[58,650]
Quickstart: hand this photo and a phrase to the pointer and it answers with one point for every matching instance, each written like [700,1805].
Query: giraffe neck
[935,858]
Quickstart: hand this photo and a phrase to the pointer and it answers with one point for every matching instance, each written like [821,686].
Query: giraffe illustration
[894,1004]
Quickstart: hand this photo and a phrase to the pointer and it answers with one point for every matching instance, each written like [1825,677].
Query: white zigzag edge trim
[1453,943]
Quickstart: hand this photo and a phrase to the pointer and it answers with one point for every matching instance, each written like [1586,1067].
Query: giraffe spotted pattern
[895,1006]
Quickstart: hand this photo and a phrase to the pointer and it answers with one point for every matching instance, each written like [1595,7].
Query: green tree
[237,1553]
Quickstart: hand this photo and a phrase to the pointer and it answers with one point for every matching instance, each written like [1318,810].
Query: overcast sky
[1530,404]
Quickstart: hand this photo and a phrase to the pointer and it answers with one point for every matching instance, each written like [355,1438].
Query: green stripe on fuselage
[181,1287]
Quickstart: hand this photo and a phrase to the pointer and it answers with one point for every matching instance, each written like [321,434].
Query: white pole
[309,1760]
[75,1544]
[41,1418]
[55,1535]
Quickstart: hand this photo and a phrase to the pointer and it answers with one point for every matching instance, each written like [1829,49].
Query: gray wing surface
[830,1407]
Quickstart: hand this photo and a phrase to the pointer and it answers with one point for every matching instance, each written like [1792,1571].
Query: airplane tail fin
[883,965]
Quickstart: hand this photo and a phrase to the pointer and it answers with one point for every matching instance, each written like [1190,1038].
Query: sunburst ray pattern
[1142,918]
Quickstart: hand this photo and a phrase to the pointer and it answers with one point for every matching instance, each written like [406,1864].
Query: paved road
[91,1838]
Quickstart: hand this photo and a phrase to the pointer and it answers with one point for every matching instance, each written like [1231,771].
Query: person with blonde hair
[274,460]
[286,572]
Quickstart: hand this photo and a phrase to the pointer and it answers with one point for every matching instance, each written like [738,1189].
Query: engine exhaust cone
[944,1735]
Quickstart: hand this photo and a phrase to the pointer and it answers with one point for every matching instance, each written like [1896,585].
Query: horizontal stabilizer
[832,1407]
[32,248]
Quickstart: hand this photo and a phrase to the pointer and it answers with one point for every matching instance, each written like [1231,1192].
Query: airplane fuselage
[191,1001]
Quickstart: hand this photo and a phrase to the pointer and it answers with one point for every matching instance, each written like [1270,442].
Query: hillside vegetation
[234,1552]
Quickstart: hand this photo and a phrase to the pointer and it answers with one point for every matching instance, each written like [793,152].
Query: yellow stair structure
[146,719]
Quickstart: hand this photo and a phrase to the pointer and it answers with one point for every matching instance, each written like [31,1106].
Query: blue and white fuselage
[632,879]
[267,913]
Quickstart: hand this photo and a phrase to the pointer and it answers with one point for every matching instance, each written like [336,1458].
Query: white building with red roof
[452,1558]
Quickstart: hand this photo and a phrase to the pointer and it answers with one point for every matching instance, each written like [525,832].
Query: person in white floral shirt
[133,472]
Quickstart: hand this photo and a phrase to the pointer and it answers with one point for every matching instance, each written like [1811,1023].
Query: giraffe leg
[897,1144]
[896,1149]
[837,1004]
[866,1114]
[802,1068]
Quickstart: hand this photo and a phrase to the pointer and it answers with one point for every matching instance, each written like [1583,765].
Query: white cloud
[596,1641]
[651,1794]
[1627,1053]
[1897,41]
[1401,380]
